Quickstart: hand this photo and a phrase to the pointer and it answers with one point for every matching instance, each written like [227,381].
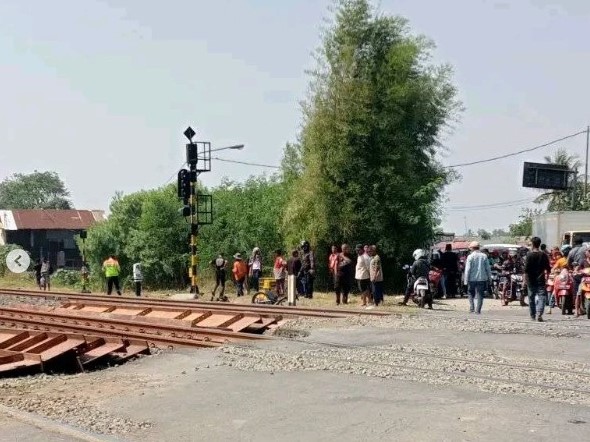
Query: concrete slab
[15,430]
[220,403]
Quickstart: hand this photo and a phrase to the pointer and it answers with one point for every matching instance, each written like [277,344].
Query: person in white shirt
[363,275]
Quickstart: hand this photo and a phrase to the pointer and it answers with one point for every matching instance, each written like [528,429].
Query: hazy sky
[101,91]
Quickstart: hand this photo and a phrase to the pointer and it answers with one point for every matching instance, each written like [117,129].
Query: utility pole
[197,207]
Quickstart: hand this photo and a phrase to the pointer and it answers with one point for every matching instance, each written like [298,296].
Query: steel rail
[214,306]
[130,328]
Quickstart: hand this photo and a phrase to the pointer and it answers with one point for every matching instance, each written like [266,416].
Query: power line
[245,163]
[530,149]
[499,205]
[174,174]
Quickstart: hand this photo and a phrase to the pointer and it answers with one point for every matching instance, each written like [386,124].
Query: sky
[100,91]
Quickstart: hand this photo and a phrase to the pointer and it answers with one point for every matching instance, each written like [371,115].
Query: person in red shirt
[279,271]
[239,271]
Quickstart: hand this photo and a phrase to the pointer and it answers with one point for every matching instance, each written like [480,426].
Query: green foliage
[66,278]
[246,215]
[146,227]
[559,200]
[4,251]
[524,225]
[371,136]
[38,190]
[484,234]
[143,226]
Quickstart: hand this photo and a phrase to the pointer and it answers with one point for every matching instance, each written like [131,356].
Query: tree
[558,200]
[524,225]
[38,190]
[484,234]
[371,136]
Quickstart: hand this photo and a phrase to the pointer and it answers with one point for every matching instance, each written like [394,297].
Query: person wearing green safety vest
[111,270]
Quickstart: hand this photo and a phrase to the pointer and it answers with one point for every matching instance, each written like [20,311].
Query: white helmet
[419,253]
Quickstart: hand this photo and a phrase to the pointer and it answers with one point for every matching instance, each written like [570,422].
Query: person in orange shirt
[239,271]
[560,261]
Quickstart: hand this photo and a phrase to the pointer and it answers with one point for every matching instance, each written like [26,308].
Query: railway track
[155,332]
[285,311]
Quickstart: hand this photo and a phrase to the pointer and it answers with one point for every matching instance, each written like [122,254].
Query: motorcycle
[513,284]
[269,298]
[435,276]
[495,288]
[563,289]
[420,290]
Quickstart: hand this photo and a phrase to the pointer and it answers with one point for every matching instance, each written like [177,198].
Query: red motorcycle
[435,276]
[563,290]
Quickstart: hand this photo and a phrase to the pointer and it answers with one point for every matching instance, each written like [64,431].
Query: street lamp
[236,147]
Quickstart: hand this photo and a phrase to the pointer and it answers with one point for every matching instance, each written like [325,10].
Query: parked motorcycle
[268,297]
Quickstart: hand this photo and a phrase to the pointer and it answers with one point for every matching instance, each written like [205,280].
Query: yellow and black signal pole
[197,212]
[198,207]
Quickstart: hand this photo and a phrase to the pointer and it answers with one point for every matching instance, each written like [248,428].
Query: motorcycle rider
[519,261]
[420,269]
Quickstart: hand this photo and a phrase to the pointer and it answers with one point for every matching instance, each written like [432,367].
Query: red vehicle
[563,290]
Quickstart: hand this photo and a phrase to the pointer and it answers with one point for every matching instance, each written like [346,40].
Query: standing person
[307,269]
[450,266]
[220,265]
[333,262]
[112,269]
[363,276]
[579,294]
[344,275]
[255,269]
[240,272]
[575,257]
[279,271]
[293,270]
[46,272]
[137,278]
[37,269]
[536,269]
[376,271]
[477,276]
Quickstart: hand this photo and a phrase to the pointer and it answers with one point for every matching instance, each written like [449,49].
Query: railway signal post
[197,206]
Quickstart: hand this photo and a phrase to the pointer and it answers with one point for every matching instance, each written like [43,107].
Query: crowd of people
[246,273]
[344,269]
[536,265]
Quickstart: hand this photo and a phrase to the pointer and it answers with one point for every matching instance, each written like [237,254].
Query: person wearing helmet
[307,269]
[420,269]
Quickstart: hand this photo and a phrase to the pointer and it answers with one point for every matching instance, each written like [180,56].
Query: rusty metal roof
[55,219]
